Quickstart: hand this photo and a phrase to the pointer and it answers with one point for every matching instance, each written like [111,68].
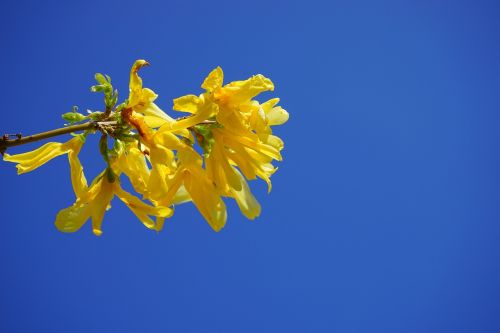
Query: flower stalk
[6,142]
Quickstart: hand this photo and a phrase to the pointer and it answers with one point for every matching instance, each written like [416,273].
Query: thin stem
[5,142]
[21,140]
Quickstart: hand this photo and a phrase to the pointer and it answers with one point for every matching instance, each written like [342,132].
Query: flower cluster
[159,155]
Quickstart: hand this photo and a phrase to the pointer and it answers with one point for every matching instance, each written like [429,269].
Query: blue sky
[384,214]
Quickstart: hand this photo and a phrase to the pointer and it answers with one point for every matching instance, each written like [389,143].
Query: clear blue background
[384,215]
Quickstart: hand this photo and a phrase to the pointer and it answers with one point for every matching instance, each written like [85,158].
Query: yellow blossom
[161,158]
[133,164]
[142,99]
[224,102]
[230,182]
[181,180]
[158,153]
[93,201]
[248,153]
[243,137]
[198,185]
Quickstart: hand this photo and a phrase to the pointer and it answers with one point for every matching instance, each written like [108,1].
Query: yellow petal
[203,113]
[181,196]
[243,91]
[243,162]
[141,209]
[157,188]
[71,219]
[173,186]
[31,160]
[206,199]
[78,180]
[213,80]
[99,206]
[267,106]
[257,146]
[277,116]
[93,190]
[148,96]
[272,140]
[253,163]
[247,203]
[162,166]
[155,117]
[188,103]
[232,120]
[264,171]
[167,139]
[135,80]
[184,132]
[139,97]
[258,120]
[134,165]
[188,157]
[224,175]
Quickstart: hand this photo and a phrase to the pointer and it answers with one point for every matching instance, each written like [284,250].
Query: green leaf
[101,79]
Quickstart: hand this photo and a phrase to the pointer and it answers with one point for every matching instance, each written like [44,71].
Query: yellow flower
[229,181]
[78,180]
[229,103]
[201,107]
[275,115]
[173,181]
[133,164]
[263,116]
[198,185]
[251,155]
[235,101]
[33,159]
[142,99]
[233,130]
[92,202]
[247,203]
[161,158]
[244,140]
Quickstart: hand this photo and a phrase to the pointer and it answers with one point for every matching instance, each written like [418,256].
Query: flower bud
[73,117]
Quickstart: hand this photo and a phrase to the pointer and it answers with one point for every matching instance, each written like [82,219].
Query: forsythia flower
[93,201]
[161,158]
[142,99]
[244,138]
[195,180]
[157,152]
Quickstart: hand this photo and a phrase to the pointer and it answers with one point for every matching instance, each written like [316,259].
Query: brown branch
[5,142]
